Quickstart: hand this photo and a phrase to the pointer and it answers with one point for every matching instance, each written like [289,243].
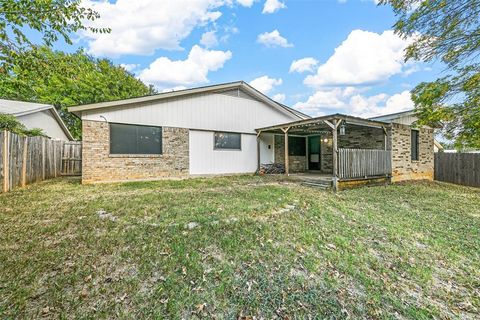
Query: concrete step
[318,184]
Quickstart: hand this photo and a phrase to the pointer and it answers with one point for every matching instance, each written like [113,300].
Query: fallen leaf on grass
[46,311]
[200,307]
[83,293]
[331,246]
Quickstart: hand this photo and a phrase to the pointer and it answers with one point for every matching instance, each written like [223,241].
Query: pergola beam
[348,119]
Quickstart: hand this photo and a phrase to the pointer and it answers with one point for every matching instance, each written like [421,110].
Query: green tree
[447,31]
[52,19]
[65,80]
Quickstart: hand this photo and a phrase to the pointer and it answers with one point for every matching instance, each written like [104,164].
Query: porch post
[385,136]
[258,152]
[335,154]
[287,169]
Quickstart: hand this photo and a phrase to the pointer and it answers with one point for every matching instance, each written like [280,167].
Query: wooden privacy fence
[24,160]
[363,163]
[72,158]
[459,168]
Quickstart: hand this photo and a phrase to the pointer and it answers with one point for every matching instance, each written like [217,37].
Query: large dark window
[414,145]
[132,139]
[297,146]
[227,141]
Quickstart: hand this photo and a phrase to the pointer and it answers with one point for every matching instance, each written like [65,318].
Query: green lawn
[239,247]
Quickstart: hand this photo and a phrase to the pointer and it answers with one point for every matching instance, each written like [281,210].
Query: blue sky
[319,56]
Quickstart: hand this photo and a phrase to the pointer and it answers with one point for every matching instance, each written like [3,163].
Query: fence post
[43,159]
[24,162]
[55,158]
[6,157]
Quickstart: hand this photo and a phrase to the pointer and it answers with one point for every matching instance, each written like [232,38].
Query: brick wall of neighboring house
[404,168]
[296,163]
[98,165]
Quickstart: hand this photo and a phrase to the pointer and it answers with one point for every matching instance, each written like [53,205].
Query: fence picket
[361,163]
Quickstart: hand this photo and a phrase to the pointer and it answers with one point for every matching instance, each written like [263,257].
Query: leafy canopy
[52,19]
[448,31]
[65,80]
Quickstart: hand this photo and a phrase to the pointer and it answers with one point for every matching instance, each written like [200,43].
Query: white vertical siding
[205,160]
[45,121]
[216,112]
[267,155]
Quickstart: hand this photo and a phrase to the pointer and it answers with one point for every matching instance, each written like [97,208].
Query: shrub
[10,123]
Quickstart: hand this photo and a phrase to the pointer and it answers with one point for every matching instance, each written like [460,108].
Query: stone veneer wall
[356,137]
[99,166]
[296,163]
[403,167]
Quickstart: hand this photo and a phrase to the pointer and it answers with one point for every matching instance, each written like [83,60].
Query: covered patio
[349,150]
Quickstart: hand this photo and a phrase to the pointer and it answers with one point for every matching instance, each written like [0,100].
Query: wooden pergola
[319,125]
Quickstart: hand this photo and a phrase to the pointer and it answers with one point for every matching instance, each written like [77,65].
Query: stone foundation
[99,166]
[403,167]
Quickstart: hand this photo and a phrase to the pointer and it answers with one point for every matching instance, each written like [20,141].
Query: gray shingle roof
[19,108]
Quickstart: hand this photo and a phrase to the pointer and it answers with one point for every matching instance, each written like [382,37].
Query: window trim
[417,145]
[227,149]
[133,155]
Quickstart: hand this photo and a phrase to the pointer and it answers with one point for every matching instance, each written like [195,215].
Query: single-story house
[36,115]
[233,128]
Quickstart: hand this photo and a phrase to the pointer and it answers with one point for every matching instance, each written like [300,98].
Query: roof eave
[77,110]
[62,124]
[338,116]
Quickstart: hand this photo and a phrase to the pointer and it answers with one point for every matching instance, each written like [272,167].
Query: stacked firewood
[272,168]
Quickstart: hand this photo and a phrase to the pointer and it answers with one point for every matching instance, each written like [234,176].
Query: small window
[227,141]
[133,139]
[297,146]
[414,146]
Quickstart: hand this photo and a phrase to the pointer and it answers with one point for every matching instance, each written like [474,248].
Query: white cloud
[279,97]
[209,39]
[303,65]
[265,84]
[325,101]
[142,26]
[271,6]
[273,39]
[246,3]
[130,67]
[363,58]
[166,73]
[352,101]
[176,88]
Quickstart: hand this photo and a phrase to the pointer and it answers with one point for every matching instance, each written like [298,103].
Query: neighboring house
[232,128]
[35,115]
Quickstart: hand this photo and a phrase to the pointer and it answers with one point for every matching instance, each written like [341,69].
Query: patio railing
[364,163]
